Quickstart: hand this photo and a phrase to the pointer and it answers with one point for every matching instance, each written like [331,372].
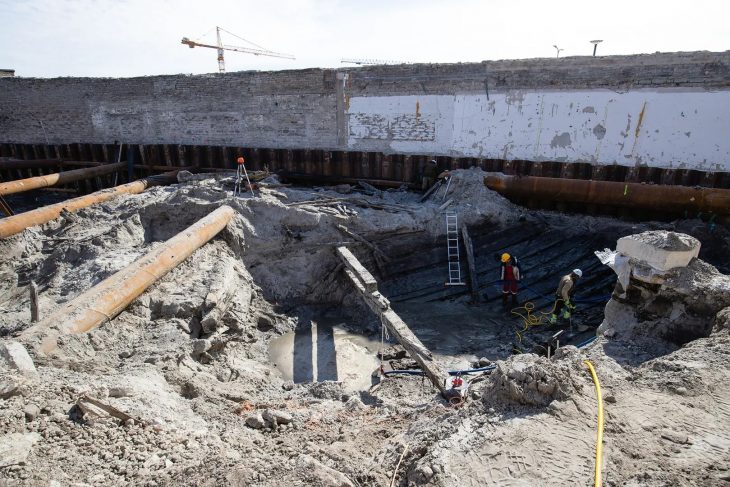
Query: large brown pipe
[111,296]
[664,198]
[29,164]
[17,223]
[58,178]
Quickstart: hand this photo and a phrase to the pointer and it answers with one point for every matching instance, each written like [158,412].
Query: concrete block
[14,356]
[15,448]
[660,249]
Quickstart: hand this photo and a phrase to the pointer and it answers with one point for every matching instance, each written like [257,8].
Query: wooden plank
[473,284]
[355,281]
[34,315]
[355,266]
[443,207]
[395,325]
[376,250]
[432,190]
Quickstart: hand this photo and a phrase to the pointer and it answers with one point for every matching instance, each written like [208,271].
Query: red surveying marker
[241,170]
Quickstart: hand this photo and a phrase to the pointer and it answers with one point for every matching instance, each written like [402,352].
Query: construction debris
[14,356]
[268,355]
[94,409]
[15,448]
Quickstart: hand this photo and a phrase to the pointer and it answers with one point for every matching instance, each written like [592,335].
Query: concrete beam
[660,249]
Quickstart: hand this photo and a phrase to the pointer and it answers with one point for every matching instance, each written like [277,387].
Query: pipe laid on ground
[665,198]
[17,223]
[28,184]
[112,295]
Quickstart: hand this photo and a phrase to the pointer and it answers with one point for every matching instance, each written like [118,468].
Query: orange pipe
[17,223]
[111,296]
[48,180]
[658,197]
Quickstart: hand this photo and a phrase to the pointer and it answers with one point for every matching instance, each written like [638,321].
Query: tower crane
[256,50]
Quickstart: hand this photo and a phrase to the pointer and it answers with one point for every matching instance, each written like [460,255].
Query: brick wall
[380,108]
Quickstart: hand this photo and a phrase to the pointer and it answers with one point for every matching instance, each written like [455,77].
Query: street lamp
[595,45]
[557,50]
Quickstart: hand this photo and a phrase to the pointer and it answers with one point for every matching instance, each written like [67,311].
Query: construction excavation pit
[351,335]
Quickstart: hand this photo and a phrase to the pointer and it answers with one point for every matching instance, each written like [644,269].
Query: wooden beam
[368,281]
[390,319]
[376,251]
[473,284]
[287,176]
[432,190]
[34,315]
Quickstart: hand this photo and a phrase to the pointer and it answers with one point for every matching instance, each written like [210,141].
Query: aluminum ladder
[452,247]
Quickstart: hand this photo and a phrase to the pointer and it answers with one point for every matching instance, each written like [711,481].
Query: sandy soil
[231,401]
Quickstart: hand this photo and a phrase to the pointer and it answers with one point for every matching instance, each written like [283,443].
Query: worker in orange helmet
[510,276]
[240,160]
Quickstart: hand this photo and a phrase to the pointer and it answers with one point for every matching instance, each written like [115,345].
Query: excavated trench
[339,340]
[319,326]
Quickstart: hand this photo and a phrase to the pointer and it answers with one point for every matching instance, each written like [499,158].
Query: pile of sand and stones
[178,389]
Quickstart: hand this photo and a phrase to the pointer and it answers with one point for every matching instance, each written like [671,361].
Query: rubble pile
[663,291]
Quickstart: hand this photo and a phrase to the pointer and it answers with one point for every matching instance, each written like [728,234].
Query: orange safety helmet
[240,160]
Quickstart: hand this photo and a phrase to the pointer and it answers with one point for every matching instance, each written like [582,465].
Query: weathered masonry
[669,111]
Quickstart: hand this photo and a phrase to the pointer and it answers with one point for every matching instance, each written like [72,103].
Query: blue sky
[49,38]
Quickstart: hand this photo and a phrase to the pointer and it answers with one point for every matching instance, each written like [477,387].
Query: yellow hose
[599,432]
[528,319]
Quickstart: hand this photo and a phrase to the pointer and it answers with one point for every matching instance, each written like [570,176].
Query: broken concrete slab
[660,249]
[15,448]
[255,421]
[14,356]
[219,296]
[320,474]
[9,387]
[273,416]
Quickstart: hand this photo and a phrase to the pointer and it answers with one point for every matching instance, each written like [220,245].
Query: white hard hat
[578,272]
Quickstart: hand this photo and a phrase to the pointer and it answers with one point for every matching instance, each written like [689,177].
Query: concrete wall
[661,110]
[668,128]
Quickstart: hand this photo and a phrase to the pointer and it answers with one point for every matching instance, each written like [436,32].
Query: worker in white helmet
[565,290]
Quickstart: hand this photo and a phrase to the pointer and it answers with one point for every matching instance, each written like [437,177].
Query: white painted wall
[680,128]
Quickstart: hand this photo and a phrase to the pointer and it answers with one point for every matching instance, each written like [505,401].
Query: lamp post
[557,50]
[595,46]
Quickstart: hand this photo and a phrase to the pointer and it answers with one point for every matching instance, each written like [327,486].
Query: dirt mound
[532,380]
